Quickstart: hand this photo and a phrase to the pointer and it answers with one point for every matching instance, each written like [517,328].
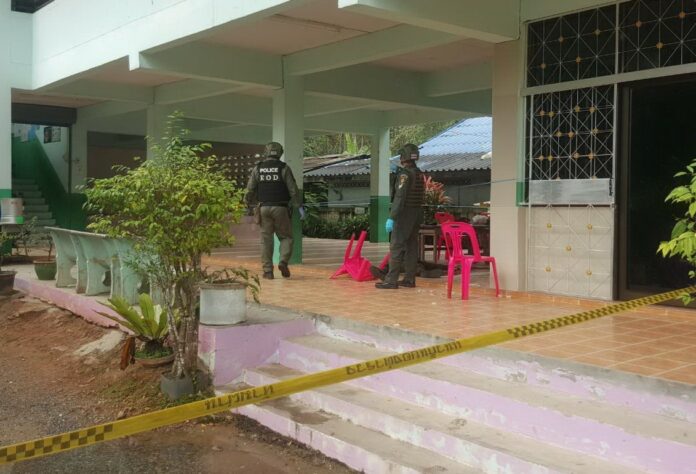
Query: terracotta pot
[155,362]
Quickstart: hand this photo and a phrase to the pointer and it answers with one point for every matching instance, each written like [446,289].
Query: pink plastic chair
[454,232]
[355,265]
[442,217]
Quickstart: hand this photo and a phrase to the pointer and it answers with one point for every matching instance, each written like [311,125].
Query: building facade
[589,100]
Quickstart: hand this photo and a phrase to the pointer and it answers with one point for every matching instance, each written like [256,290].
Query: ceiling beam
[193,89]
[365,48]
[469,78]
[107,109]
[395,118]
[318,106]
[363,122]
[236,134]
[494,21]
[152,26]
[232,108]
[101,90]
[374,83]
[213,63]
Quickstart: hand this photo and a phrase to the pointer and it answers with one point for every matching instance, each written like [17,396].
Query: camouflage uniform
[407,214]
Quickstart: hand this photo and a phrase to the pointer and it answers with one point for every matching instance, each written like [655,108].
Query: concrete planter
[45,269]
[223,304]
[7,281]
[175,388]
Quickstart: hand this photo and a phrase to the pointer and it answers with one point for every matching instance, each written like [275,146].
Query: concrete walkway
[655,341]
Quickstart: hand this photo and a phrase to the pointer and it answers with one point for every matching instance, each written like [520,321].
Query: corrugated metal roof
[465,146]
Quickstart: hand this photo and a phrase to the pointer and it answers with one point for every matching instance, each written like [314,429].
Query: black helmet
[409,152]
[273,150]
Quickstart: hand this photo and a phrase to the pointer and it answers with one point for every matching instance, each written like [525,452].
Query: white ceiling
[447,56]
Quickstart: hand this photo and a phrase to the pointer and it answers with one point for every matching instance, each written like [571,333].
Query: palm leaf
[147,309]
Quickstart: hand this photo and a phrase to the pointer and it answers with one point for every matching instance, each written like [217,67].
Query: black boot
[378,272]
[386,286]
[268,275]
[284,270]
[407,283]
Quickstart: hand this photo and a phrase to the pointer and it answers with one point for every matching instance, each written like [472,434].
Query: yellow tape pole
[138,424]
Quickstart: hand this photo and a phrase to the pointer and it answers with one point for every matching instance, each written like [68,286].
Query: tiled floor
[655,341]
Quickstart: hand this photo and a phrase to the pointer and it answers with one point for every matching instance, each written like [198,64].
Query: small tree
[682,243]
[175,207]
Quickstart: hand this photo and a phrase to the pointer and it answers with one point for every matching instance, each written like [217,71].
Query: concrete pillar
[5,104]
[508,221]
[78,155]
[156,123]
[379,185]
[288,130]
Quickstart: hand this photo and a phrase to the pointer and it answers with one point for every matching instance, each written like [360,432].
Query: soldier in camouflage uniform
[273,186]
[404,221]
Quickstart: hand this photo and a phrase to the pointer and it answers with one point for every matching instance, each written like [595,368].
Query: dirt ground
[45,388]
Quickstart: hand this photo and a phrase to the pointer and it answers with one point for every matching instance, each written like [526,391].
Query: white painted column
[156,123]
[508,221]
[5,103]
[379,185]
[288,130]
[78,155]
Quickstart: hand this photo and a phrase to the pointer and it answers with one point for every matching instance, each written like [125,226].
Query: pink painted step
[615,434]
[362,449]
[641,394]
[468,443]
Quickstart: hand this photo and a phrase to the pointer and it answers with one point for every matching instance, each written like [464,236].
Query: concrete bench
[66,258]
[101,263]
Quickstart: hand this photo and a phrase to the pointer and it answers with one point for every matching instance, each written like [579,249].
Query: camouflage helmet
[273,150]
[409,152]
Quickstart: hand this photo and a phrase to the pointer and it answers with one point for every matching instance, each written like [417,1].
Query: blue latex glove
[302,212]
[390,225]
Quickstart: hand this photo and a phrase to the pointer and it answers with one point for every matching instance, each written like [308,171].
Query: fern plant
[149,325]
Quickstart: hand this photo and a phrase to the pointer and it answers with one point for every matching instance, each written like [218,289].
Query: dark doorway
[658,139]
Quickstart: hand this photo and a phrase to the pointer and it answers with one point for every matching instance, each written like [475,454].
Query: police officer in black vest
[405,220]
[273,186]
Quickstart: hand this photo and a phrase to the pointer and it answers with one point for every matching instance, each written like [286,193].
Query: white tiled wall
[571,251]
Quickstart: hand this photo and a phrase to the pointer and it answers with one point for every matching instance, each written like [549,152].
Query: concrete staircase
[492,410]
[34,203]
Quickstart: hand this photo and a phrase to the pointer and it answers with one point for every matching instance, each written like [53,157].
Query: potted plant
[7,277]
[148,325]
[44,267]
[223,296]
[435,199]
[23,239]
[175,207]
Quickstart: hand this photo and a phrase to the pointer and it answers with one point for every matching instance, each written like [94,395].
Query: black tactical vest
[416,192]
[272,188]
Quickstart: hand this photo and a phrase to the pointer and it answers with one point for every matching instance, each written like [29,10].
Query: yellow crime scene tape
[169,416]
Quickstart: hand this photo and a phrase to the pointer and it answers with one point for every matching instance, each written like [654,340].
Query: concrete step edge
[361,449]
[464,441]
[657,396]
[548,417]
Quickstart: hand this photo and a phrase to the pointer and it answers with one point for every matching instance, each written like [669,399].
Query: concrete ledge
[85,307]
[229,350]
